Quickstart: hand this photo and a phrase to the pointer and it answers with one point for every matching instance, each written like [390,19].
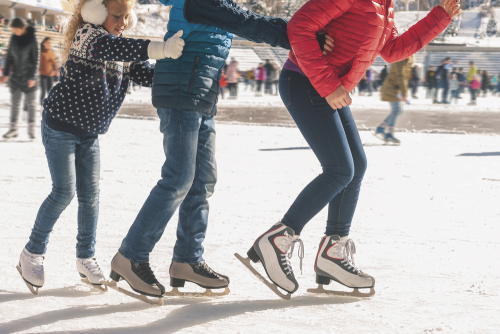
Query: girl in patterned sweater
[99,65]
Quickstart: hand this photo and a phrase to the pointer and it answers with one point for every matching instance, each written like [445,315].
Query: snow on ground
[426,227]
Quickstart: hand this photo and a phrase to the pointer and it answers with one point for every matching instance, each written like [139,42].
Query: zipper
[193,73]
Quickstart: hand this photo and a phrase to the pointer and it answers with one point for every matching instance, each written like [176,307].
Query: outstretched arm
[229,16]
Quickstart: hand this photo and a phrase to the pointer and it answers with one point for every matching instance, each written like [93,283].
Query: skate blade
[113,285]
[379,136]
[354,293]
[207,293]
[272,286]
[100,287]
[31,287]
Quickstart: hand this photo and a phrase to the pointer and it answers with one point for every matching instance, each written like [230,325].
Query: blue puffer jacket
[191,82]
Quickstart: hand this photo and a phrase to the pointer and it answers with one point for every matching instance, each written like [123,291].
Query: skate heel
[252,254]
[177,282]
[322,280]
[114,276]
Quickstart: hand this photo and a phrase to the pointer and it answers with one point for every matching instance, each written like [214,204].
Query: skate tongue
[300,251]
[37,262]
[349,251]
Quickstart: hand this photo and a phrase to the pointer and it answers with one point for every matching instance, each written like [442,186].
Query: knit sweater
[94,81]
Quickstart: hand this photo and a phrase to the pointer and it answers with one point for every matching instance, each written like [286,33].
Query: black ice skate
[200,274]
[139,276]
[335,261]
[274,249]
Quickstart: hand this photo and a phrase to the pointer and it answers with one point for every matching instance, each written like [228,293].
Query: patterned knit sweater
[95,80]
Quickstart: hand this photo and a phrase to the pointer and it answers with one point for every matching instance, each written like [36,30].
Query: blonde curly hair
[76,22]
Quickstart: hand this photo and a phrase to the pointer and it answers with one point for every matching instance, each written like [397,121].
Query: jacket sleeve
[8,61]
[142,73]
[108,47]
[229,16]
[313,16]
[419,35]
[34,58]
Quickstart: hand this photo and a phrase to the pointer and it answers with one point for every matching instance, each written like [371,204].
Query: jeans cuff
[180,260]
[132,258]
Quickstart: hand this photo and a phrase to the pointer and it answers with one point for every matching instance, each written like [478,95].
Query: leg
[15,105]
[31,104]
[322,128]
[87,163]
[180,142]
[60,151]
[342,206]
[193,212]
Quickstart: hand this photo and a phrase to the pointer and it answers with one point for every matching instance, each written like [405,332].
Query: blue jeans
[188,178]
[74,165]
[334,139]
[446,87]
[396,111]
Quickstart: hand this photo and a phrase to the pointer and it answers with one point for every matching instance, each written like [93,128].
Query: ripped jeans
[74,164]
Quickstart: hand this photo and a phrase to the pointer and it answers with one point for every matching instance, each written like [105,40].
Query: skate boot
[390,139]
[274,249]
[30,268]
[31,130]
[91,273]
[12,133]
[139,276]
[380,132]
[335,261]
[200,274]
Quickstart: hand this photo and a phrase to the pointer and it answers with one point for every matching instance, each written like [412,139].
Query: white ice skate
[274,249]
[91,273]
[335,261]
[30,268]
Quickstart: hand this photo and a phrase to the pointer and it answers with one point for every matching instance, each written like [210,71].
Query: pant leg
[43,88]
[87,161]
[342,207]
[180,143]
[60,151]
[322,128]
[396,110]
[193,211]
[16,96]
[31,104]
[445,90]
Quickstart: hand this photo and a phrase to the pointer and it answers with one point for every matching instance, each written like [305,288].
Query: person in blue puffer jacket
[185,94]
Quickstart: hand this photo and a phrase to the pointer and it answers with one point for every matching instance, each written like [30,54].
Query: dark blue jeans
[188,178]
[74,165]
[446,86]
[334,139]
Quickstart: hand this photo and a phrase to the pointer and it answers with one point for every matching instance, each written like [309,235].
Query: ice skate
[139,277]
[390,139]
[200,274]
[380,132]
[12,133]
[335,261]
[274,249]
[91,273]
[30,268]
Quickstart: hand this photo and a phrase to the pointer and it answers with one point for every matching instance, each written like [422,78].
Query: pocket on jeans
[284,87]
[164,115]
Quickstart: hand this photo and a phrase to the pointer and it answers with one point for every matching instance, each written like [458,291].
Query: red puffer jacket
[361,29]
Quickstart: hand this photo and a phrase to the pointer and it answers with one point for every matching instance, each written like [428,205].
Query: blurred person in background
[443,72]
[470,75]
[48,67]
[260,78]
[250,79]
[432,85]
[382,76]
[232,75]
[394,91]
[270,77]
[485,82]
[454,88]
[415,81]
[475,86]
[369,81]
[20,69]
[494,84]
[462,80]
[222,84]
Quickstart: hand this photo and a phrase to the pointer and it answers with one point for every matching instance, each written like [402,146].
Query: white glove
[399,96]
[171,48]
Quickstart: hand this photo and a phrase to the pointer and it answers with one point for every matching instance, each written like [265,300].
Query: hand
[339,98]
[174,45]
[325,42]
[400,97]
[452,7]
[31,83]
[4,79]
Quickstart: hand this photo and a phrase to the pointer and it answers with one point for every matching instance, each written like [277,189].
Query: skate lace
[205,269]
[92,266]
[285,258]
[348,251]
[37,264]
[146,273]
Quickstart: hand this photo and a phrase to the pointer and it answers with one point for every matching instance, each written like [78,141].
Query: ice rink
[427,228]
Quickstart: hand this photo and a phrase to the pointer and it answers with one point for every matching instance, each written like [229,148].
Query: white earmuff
[95,12]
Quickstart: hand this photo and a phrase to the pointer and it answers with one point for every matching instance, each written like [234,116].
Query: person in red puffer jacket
[315,89]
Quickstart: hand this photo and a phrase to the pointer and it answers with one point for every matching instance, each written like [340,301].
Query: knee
[62,196]
[360,166]
[339,176]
